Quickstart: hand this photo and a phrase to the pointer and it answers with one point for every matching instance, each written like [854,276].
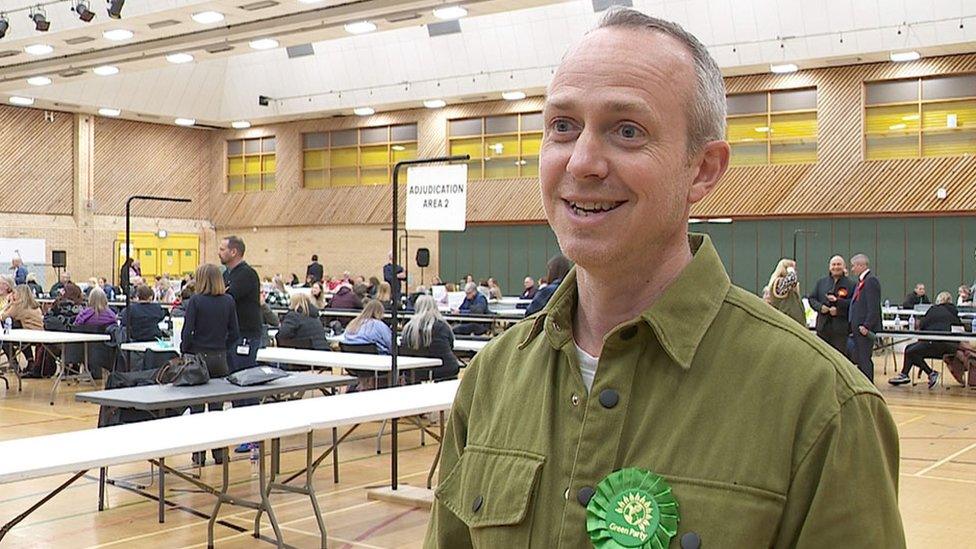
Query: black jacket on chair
[865,309]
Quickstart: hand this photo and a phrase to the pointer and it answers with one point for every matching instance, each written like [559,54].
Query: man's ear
[712,161]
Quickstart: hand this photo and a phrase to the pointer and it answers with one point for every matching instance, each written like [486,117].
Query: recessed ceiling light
[435,103]
[106,70]
[105,111]
[208,17]
[241,125]
[902,56]
[179,58]
[364,111]
[513,95]
[784,68]
[361,27]
[450,12]
[117,35]
[39,49]
[38,81]
[185,121]
[22,101]
[264,44]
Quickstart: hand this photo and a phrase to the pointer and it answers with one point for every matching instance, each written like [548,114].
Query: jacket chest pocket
[491,490]
[731,517]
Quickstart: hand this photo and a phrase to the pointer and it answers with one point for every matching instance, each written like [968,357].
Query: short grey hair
[470,287]
[861,258]
[706,119]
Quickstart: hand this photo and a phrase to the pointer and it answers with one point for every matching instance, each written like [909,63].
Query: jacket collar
[678,319]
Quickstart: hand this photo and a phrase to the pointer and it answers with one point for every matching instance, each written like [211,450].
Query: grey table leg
[162,490]
[335,454]
[102,473]
[220,499]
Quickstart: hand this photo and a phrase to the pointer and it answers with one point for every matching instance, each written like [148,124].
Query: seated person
[144,316]
[345,298]
[107,288]
[941,317]
[474,303]
[557,268]
[384,295]
[529,288]
[26,314]
[36,288]
[412,298]
[427,334]
[965,296]
[68,304]
[318,296]
[97,313]
[917,297]
[179,309]
[494,290]
[369,327]
[163,292]
[301,322]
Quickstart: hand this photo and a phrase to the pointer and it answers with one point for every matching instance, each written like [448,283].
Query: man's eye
[629,131]
[562,126]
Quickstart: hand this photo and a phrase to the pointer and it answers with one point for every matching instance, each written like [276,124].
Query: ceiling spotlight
[21,101]
[783,69]
[115,8]
[117,35]
[185,121]
[39,81]
[450,12]
[361,27]
[106,70]
[38,49]
[4,25]
[264,44]
[364,111]
[902,56]
[513,95]
[435,103]
[208,17]
[37,15]
[241,125]
[179,58]
[83,11]
[105,111]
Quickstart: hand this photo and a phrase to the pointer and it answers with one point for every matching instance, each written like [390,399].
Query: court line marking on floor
[933,409]
[913,420]
[282,524]
[933,477]
[945,460]
[319,494]
[315,534]
[46,414]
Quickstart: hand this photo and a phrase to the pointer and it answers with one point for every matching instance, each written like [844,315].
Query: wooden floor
[937,490]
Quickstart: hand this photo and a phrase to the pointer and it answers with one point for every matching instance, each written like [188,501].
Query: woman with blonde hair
[385,295]
[940,317]
[301,323]
[23,309]
[97,313]
[6,289]
[369,327]
[784,291]
[428,334]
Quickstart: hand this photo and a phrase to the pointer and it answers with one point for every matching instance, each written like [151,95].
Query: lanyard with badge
[244,349]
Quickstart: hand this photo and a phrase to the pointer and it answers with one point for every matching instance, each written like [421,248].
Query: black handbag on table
[184,370]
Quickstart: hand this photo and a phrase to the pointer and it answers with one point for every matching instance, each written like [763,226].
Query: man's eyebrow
[614,105]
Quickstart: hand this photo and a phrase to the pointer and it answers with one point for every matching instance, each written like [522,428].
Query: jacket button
[690,541]
[609,398]
[478,502]
[575,400]
[628,333]
[584,495]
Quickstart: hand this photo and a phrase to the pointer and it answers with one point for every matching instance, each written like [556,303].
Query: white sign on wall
[437,197]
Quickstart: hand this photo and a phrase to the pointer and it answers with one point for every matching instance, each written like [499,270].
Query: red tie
[857,291]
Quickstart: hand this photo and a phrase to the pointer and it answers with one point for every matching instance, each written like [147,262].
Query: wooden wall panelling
[36,156]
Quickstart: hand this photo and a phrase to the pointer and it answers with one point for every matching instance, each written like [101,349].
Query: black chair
[366,349]
[101,356]
[297,343]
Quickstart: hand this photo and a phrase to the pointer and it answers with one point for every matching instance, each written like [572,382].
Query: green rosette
[632,508]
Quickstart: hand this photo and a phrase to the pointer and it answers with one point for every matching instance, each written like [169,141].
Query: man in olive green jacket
[652,403]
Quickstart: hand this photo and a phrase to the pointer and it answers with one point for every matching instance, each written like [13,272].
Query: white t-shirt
[588,365]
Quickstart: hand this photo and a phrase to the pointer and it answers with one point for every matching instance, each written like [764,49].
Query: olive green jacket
[767,436]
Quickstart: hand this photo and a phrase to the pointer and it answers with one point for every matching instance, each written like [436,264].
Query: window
[920,117]
[363,156]
[501,147]
[777,127]
[251,164]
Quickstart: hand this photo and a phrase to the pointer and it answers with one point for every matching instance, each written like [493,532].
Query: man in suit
[864,314]
[831,298]
[314,270]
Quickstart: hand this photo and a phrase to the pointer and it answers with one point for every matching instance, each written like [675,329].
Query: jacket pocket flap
[490,486]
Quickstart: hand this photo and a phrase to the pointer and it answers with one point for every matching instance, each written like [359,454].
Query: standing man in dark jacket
[864,314]
[314,270]
[831,298]
[395,275]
